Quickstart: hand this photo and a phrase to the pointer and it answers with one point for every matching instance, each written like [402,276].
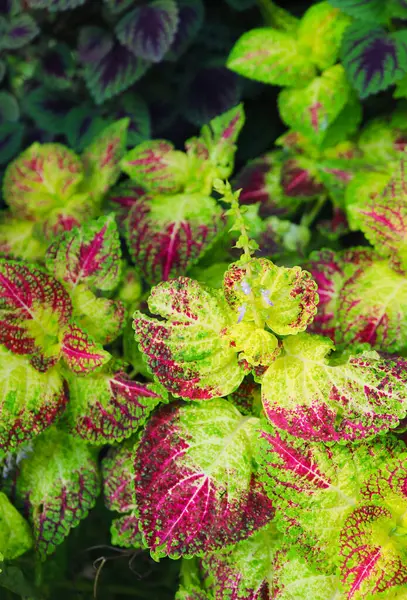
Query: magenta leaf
[81,353]
[59,483]
[149,30]
[108,406]
[90,254]
[34,308]
[123,197]
[166,235]
[192,501]
[118,477]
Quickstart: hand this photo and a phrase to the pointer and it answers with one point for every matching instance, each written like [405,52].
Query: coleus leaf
[371,11]
[34,309]
[348,398]
[81,353]
[82,125]
[102,157]
[190,19]
[59,482]
[94,43]
[245,571]
[320,32]
[299,177]
[316,486]
[156,166]
[30,400]
[125,532]
[271,56]
[9,109]
[108,406]
[90,254]
[48,108]
[20,30]
[186,352]
[373,59]
[123,197]
[102,318]
[136,109]
[118,477]
[55,5]
[149,30]
[360,191]
[313,109]
[19,239]
[285,299]
[117,70]
[191,587]
[15,533]
[40,178]
[166,235]
[57,66]
[118,6]
[188,502]
[11,137]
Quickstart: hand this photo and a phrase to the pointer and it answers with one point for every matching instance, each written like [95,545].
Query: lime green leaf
[60,482]
[271,56]
[256,346]
[364,187]
[313,109]
[15,533]
[19,239]
[348,398]
[125,532]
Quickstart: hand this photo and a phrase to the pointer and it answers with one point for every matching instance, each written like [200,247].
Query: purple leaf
[58,65]
[48,109]
[114,73]
[93,44]
[190,18]
[149,30]
[20,31]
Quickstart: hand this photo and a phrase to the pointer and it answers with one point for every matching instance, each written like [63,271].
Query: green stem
[309,217]
[266,9]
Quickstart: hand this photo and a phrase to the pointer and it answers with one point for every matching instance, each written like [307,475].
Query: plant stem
[266,9]
[309,217]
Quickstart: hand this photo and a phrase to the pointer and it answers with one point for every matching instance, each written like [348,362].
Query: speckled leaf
[156,166]
[40,178]
[125,532]
[15,533]
[189,501]
[118,477]
[34,308]
[59,481]
[82,354]
[187,352]
[313,109]
[102,157]
[348,398]
[149,30]
[108,407]
[20,30]
[90,254]
[30,401]
[166,235]
[190,19]
[55,5]
[94,43]
[117,70]
[320,33]
[285,299]
[373,59]
[271,56]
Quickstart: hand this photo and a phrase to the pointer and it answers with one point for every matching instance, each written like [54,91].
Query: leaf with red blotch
[156,166]
[285,298]
[316,485]
[149,30]
[30,401]
[40,179]
[247,398]
[118,477]
[188,352]
[167,235]
[300,179]
[34,308]
[81,353]
[192,502]
[345,398]
[108,407]
[190,19]
[328,270]
[90,254]
[117,70]
[58,482]
[123,197]
[102,158]
[125,532]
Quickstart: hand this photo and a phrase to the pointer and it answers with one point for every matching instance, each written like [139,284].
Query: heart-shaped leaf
[20,30]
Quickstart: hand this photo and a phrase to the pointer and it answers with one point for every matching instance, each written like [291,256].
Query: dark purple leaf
[149,30]
[57,66]
[20,31]
[373,59]
[190,18]
[211,92]
[117,71]
[93,44]
[48,109]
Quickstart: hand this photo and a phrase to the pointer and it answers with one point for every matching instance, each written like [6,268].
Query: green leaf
[320,33]
[19,239]
[125,532]
[346,398]
[15,533]
[271,56]
[186,350]
[371,11]
[360,191]
[12,579]
[313,109]
[60,482]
